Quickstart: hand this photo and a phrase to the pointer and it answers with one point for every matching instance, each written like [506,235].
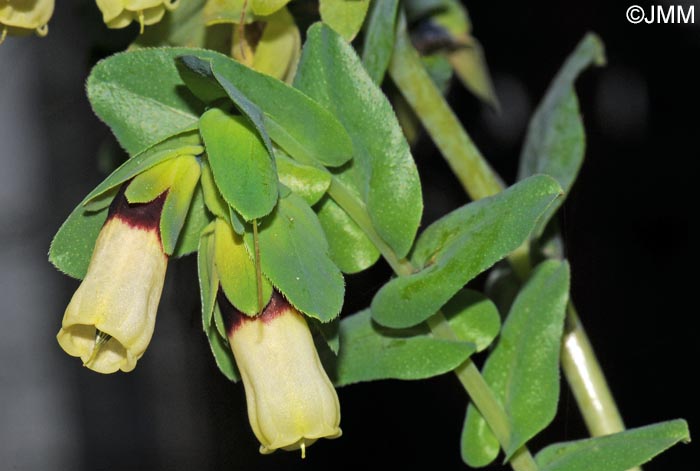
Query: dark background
[626,226]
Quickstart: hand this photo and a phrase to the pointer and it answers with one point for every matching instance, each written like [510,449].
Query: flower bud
[19,17]
[120,13]
[109,321]
[291,401]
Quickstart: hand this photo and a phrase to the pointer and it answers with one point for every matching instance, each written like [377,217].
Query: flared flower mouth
[120,13]
[19,17]
[110,320]
[291,401]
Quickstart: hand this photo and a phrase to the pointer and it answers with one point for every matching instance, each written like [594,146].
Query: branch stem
[581,368]
[470,377]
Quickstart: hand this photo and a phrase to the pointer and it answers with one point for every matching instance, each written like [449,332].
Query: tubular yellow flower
[291,401]
[109,321]
[19,17]
[120,13]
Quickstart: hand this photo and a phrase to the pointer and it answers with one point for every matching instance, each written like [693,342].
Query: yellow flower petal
[120,13]
[25,16]
[121,290]
[291,401]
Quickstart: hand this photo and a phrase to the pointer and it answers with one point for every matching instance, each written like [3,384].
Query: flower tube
[20,17]
[109,321]
[291,402]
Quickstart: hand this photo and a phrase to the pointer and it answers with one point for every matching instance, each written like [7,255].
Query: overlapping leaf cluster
[301,183]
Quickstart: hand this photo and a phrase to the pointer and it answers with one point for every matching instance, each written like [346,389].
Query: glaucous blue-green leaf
[178,201]
[459,246]
[197,219]
[236,271]
[71,247]
[175,146]
[555,140]
[307,181]
[139,94]
[379,39]
[383,170]
[616,452]
[294,257]
[523,368]
[473,318]
[206,271]
[240,163]
[299,125]
[221,349]
[344,16]
[370,352]
[348,245]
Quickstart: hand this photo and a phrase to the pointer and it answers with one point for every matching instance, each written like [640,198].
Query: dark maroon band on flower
[233,318]
[144,216]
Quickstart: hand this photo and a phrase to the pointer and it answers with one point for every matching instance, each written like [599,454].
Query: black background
[626,226]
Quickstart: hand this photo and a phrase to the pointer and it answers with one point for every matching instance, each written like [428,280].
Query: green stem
[467,163]
[590,389]
[470,377]
[358,211]
[583,372]
[482,396]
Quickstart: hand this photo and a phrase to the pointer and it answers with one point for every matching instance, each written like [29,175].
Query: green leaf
[555,140]
[71,247]
[228,11]
[267,7]
[172,147]
[221,350]
[294,257]
[329,331]
[379,39]
[473,318]
[479,446]
[212,197]
[523,369]
[241,166]
[419,9]
[183,26]
[370,352]
[178,201]
[198,74]
[459,246]
[208,278]
[616,452]
[469,64]
[309,182]
[383,171]
[236,271]
[197,219]
[344,16]
[300,126]
[142,111]
[348,245]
